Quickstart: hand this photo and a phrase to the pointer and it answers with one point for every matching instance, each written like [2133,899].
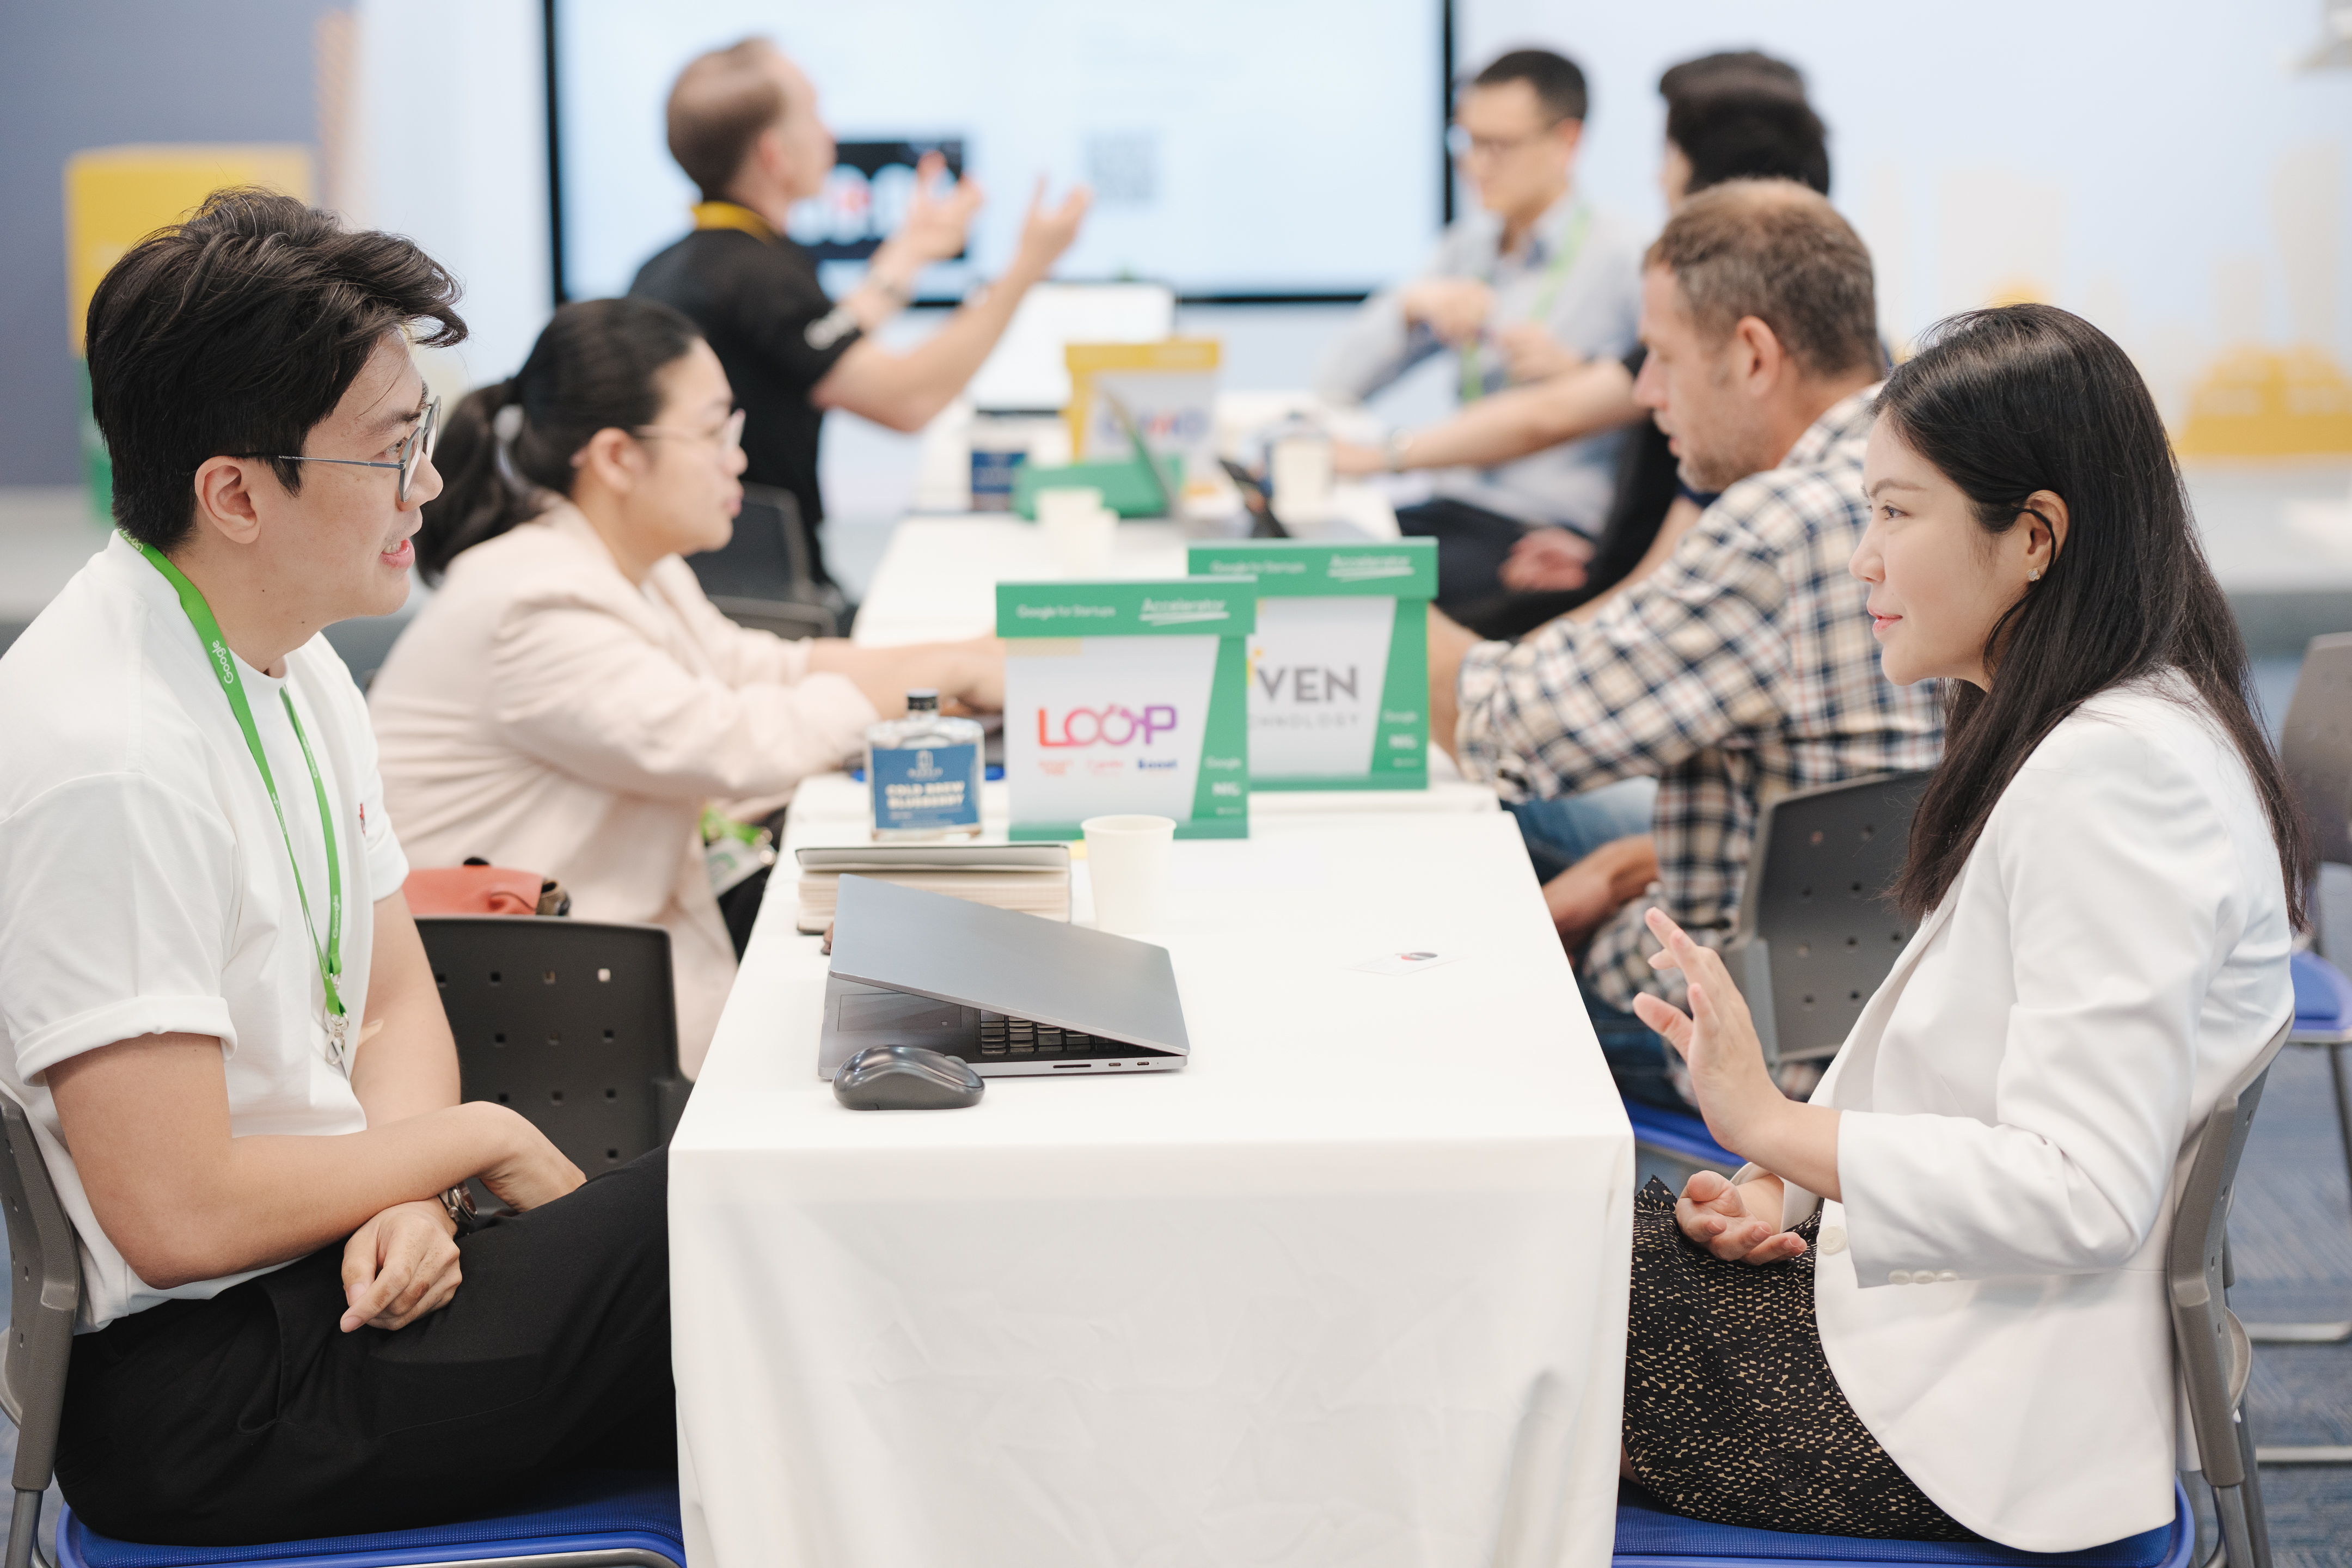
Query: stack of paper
[1032,878]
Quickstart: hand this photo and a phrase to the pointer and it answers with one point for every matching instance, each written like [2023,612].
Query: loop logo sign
[1113,724]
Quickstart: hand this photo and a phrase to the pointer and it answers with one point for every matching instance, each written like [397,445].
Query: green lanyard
[1474,376]
[224,663]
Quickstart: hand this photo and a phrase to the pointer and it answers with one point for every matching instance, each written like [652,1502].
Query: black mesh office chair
[572,1022]
[2315,751]
[771,574]
[1815,935]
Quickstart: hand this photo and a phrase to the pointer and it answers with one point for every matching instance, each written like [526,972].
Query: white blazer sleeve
[580,689]
[2122,889]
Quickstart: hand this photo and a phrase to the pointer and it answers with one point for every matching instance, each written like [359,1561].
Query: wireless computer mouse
[905,1078]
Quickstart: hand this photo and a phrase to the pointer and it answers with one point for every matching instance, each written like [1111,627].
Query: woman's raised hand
[1717,1040]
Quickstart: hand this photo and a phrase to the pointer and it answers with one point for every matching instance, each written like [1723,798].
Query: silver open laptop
[1013,995]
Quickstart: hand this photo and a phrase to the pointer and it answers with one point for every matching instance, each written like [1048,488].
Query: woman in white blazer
[1934,1303]
[569,701]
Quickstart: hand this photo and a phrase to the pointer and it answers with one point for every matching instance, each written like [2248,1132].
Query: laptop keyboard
[1004,1036]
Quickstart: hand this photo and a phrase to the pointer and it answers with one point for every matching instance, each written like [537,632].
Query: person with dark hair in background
[1728,116]
[1739,669]
[569,701]
[214,1006]
[1730,66]
[1955,1253]
[744,126]
[1538,281]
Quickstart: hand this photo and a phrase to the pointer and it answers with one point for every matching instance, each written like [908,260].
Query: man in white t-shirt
[213,1003]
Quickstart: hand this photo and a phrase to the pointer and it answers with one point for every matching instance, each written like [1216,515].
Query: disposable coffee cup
[1126,862]
[1301,472]
[1074,500]
[1080,537]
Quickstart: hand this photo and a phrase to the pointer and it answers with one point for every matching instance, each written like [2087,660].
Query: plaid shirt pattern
[1742,669]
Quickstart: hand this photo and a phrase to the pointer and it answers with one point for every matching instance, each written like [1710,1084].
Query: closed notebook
[1030,878]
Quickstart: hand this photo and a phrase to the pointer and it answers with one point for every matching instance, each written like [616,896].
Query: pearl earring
[2034,575]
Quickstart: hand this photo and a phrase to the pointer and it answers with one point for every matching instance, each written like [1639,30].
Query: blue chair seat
[1680,1134]
[1648,1537]
[2323,998]
[1655,1539]
[605,1513]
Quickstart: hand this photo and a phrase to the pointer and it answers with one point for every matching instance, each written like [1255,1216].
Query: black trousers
[250,1417]
[1472,545]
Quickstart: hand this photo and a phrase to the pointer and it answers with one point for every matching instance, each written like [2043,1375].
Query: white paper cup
[1081,541]
[1073,502]
[1126,862]
[1301,472]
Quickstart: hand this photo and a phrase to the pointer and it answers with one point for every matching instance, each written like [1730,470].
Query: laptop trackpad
[894,1012]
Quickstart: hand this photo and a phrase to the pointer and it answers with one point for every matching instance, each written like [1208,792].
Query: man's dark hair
[1730,68]
[1557,81]
[719,105]
[1739,129]
[232,334]
[1781,253]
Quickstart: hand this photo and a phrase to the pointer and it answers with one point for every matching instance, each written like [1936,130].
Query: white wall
[453,149]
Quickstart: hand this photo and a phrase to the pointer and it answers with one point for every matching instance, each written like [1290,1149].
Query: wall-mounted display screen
[1227,142]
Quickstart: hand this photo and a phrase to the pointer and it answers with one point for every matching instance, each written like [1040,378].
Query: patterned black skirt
[1731,1413]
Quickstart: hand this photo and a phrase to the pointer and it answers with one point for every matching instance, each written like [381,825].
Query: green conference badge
[1128,697]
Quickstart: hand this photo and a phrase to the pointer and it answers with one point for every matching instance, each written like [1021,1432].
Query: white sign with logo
[1127,697]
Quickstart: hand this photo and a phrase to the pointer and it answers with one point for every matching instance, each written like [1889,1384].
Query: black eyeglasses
[411,454]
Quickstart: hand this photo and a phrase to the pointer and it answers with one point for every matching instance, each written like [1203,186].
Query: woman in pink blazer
[569,701]
[1934,1303]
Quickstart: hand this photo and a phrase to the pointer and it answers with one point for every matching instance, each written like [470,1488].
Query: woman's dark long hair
[2025,398]
[593,368]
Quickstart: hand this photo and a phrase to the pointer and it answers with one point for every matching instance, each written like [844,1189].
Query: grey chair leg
[2250,1495]
[2342,1106]
[25,1532]
[2237,1536]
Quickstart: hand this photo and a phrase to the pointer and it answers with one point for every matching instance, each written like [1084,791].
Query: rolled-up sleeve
[96,947]
[1682,661]
[582,690]
[2114,868]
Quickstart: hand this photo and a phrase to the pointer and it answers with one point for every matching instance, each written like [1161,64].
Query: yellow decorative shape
[116,197]
[2257,401]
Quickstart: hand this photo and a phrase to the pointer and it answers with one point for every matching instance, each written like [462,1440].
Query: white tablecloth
[1349,1289]
[832,808]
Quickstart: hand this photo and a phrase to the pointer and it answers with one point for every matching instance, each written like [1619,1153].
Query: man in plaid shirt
[1741,669]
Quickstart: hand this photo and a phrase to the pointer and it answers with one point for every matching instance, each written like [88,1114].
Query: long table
[1350,1287]
[937,580]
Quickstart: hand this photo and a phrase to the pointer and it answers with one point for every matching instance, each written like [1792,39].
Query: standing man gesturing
[744,126]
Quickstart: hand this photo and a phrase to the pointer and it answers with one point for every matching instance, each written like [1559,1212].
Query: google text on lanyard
[1563,261]
[330,953]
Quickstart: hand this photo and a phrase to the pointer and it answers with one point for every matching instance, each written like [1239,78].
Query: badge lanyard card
[1563,262]
[330,953]
[1338,670]
[1127,697]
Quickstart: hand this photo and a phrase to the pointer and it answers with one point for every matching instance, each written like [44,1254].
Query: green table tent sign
[1338,679]
[1128,697]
